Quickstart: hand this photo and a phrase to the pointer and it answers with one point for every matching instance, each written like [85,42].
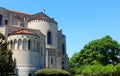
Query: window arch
[0,20]
[49,38]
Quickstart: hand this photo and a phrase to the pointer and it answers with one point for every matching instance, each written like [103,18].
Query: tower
[27,52]
[48,26]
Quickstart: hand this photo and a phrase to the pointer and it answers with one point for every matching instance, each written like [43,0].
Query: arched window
[20,44]
[48,37]
[0,20]
[29,44]
[25,44]
[11,44]
[6,22]
[15,44]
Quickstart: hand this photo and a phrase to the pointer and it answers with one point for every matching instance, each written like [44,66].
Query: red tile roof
[22,31]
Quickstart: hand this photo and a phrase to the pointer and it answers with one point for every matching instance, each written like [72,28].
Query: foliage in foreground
[99,70]
[6,62]
[51,72]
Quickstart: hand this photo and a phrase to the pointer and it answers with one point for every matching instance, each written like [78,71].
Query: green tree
[117,70]
[6,62]
[92,70]
[102,51]
[105,51]
[108,70]
[73,63]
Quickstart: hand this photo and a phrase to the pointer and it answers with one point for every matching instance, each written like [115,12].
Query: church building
[35,41]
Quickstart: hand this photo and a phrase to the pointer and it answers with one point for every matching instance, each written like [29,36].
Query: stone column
[46,58]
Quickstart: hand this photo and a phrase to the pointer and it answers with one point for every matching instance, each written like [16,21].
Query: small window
[29,43]
[6,22]
[63,67]
[0,20]
[63,49]
[62,62]
[29,74]
[48,37]
[52,61]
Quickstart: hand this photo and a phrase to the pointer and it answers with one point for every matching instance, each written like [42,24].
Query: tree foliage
[6,62]
[100,52]
[105,51]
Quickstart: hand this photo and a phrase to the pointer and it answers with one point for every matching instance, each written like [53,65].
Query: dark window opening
[49,37]
[63,67]
[0,20]
[62,62]
[51,60]
[63,49]
[6,22]
[29,74]
[29,43]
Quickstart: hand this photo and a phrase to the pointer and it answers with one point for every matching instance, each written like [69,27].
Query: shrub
[51,72]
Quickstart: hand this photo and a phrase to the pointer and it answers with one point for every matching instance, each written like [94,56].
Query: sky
[80,20]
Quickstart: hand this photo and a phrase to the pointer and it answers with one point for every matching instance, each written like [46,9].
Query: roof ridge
[13,11]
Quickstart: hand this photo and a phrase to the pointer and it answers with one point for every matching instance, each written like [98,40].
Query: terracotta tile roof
[22,31]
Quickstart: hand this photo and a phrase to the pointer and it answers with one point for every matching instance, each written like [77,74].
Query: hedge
[51,72]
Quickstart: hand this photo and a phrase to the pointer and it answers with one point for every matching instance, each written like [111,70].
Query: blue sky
[80,20]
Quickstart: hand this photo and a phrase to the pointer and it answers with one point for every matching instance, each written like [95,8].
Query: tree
[73,63]
[105,51]
[6,62]
[102,51]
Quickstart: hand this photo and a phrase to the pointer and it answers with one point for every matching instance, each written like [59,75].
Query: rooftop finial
[43,11]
